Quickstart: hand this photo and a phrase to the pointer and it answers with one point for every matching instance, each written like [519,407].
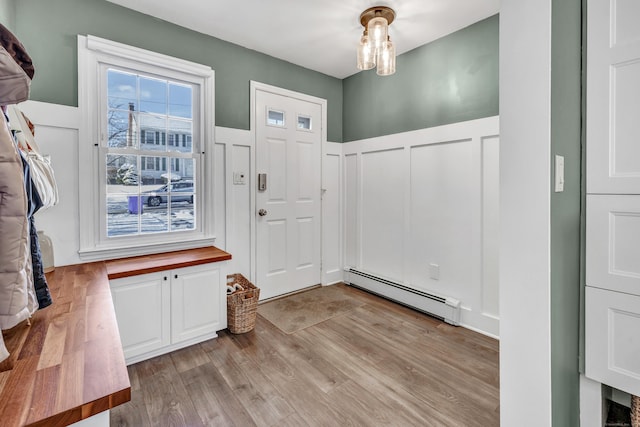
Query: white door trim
[254,87]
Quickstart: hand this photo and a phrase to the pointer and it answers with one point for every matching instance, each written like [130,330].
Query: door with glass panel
[288,206]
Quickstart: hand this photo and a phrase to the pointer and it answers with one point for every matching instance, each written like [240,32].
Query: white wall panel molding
[332,211]
[421,208]
[237,200]
[57,130]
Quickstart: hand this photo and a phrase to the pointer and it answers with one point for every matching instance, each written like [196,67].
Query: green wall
[49,30]
[566,133]
[8,13]
[452,79]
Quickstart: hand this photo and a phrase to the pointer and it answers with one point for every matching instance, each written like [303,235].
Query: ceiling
[317,34]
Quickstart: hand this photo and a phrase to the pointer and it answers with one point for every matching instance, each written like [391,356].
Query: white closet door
[613,242]
[613,342]
[613,97]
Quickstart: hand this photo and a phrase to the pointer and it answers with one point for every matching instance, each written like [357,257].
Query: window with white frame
[147,148]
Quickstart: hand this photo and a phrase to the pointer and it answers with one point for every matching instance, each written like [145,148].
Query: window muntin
[150,162]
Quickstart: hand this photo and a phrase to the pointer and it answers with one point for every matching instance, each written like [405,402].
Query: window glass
[180,135]
[153,95]
[275,118]
[146,192]
[304,122]
[180,100]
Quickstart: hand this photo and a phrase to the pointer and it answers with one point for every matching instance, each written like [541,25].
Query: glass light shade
[378,30]
[366,54]
[387,59]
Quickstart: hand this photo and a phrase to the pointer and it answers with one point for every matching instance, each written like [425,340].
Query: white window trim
[92,52]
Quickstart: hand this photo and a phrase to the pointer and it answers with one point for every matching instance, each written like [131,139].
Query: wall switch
[559,174]
[434,271]
[239,178]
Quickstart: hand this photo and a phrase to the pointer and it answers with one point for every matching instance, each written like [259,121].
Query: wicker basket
[242,305]
[635,411]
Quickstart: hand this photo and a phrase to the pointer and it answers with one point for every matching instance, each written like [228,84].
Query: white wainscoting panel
[332,213]
[351,212]
[382,219]
[57,135]
[490,225]
[613,233]
[421,208]
[443,184]
[238,202]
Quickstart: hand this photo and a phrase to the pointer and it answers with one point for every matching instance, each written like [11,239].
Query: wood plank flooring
[379,364]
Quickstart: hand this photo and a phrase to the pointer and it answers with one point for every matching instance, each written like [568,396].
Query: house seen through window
[150,161]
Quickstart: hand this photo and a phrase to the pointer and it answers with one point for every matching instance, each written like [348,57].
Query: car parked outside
[178,191]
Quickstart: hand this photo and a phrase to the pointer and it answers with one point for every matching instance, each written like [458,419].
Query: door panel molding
[303,190]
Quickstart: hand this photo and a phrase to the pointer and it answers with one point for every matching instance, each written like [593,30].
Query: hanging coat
[17,297]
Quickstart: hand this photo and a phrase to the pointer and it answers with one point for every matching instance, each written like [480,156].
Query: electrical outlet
[434,271]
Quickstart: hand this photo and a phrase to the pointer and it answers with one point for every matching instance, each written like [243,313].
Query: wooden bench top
[68,365]
[144,264]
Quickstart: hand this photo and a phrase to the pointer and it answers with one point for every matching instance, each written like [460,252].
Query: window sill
[105,253]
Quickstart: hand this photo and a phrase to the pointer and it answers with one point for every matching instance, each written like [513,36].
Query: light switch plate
[559,174]
[239,178]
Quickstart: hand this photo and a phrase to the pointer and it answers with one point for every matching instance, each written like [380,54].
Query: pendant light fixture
[375,47]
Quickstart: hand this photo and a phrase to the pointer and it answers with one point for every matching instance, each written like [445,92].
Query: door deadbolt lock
[262,182]
[262,212]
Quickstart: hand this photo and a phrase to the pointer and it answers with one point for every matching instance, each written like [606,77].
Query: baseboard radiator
[445,308]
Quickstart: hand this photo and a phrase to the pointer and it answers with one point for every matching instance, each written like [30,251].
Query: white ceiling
[318,34]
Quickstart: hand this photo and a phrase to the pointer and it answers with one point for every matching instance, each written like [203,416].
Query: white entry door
[288,206]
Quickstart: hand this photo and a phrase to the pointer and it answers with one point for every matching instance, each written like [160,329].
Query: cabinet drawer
[613,339]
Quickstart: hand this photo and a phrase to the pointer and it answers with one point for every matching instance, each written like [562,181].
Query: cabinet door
[613,339]
[142,310]
[613,237]
[196,302]
[613,88]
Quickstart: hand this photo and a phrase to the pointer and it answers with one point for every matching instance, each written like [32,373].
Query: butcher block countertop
[144,264]
[68,365]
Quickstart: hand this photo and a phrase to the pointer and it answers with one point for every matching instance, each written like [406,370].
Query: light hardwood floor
[380,364]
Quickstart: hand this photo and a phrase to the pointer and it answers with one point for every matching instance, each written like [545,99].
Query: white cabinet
[161,312]
[612,307]
[613,339]
[142,306]
[197,302]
